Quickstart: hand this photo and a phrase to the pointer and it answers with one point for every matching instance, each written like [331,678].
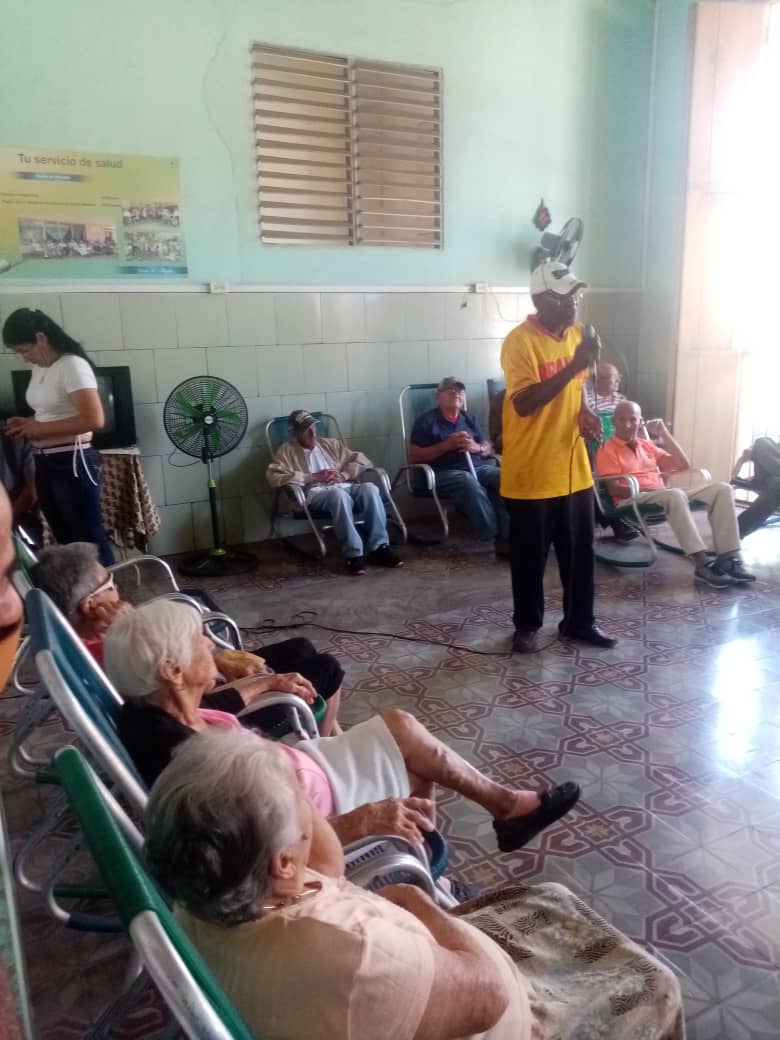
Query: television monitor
[116,393]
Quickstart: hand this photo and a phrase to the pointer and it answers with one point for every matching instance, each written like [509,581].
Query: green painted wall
[541,97]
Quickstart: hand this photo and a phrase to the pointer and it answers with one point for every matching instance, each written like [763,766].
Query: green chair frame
[193,995]
[289,505]
[640,516]
[166,954]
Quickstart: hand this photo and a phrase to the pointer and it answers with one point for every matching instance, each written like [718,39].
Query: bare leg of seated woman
[518,816]
[429,761]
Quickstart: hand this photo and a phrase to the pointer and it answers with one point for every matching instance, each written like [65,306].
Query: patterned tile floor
[674,736]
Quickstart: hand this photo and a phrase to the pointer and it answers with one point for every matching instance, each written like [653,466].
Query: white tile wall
[142,370]
[148,320]
[279,369]
[236,364]
[311,402]
[185,479]
[93,319]
[174,366]
[201,320]
[251,319]
[260,410]
[152,439]
[368,366]
[385,317]
[464,316]
[482,359]
[424,316]
[230,519]
[298,318]
[447,358]
[408,363]
[346,353]
[324,367]
[343,317]
[49,303]
[176,533]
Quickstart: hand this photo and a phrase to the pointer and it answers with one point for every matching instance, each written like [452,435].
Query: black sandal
[512,834]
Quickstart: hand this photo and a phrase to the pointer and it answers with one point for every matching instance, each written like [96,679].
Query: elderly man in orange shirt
[628,454]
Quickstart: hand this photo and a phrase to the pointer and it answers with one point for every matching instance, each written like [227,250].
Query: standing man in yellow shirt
[546,477]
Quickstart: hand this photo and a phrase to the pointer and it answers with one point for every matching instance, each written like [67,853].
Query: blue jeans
[71,504]
[340,503]
[477,498]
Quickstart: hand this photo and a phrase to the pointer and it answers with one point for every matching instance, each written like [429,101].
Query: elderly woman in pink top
[377,778]
[258,878]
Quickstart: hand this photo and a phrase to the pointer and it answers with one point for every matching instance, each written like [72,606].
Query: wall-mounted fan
[562,247]
[206,417]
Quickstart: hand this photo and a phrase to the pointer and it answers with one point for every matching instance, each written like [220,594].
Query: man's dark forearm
[531,398]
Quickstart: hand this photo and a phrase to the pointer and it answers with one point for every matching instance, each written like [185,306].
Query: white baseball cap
[555,277]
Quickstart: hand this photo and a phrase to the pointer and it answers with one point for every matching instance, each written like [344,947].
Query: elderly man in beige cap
[451,441]
[327,470]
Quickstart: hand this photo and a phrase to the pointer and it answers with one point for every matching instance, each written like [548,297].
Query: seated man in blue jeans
[327,471]
[446,437]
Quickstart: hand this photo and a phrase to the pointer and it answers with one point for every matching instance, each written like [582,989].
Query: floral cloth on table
[588,980]
[130,516]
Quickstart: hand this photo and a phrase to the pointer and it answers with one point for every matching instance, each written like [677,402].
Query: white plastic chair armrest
[425,469]
[308,728]
[381,477]
[139,561]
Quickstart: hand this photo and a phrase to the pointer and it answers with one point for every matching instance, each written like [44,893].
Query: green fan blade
[210,395]
[225,416]
[190,429]
[193,411]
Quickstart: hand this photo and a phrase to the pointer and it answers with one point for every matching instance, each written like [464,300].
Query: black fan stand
[218,562]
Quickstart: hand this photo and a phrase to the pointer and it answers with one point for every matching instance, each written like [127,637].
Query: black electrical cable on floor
[302,620]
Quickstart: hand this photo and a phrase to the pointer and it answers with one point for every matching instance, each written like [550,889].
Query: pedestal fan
[206,417]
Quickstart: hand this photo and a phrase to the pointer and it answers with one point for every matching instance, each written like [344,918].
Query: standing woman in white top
[63,395]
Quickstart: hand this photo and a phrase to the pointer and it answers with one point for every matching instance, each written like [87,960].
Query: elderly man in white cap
[327,470]
[451,441]
[545,471]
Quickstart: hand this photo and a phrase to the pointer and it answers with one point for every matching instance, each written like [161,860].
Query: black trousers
[71,503]
[299,655]
[766,462]
[567,524]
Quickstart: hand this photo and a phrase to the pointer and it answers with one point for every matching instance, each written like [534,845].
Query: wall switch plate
[481,287]
[218,287]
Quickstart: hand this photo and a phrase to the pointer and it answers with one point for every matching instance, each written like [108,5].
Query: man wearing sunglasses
[545,473]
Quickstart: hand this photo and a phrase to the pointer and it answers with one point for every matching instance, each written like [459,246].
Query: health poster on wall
[67,214]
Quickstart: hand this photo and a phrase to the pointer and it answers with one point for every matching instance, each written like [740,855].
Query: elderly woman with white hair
[303,953]
[376,778]
[86,593]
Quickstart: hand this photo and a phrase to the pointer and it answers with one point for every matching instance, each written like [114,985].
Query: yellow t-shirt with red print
[543,455]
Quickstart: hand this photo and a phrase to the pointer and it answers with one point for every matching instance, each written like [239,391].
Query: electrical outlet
[217,287]
[481,287]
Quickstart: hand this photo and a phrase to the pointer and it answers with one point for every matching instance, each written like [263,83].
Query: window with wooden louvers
[348,152]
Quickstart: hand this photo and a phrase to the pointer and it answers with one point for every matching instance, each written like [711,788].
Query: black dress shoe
[525,642]
[594,635]
[622,531]
[516,832]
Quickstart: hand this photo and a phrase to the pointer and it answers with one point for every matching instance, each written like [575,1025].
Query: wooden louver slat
[347,152]
[397,119]
[303,141]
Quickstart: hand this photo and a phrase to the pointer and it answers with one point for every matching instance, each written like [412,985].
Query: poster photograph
[67,214]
